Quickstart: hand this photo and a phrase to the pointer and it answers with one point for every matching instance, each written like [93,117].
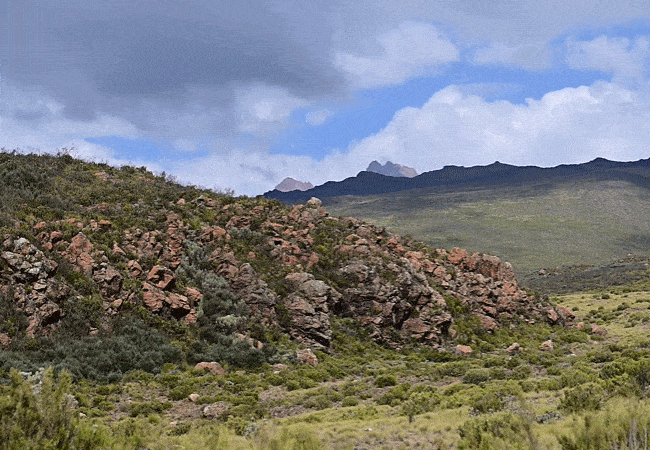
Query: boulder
[162,277]
[463,350]
[213,367]
[306,356]
[547,346]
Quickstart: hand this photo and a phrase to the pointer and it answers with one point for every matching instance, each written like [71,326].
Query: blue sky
[241,95]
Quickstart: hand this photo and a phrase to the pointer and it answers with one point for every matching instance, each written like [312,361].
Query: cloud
[533,56]
[413,49]
[566,126]
[265,109]
[318,117]
[34,121]
[626,59]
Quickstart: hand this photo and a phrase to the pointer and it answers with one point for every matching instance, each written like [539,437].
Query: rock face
[289,184]
[392,170]
[294,269]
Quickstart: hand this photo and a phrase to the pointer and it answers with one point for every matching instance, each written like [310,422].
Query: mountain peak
[392,170]
[289,184]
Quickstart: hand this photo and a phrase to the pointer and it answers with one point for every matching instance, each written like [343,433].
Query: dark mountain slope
[494,175]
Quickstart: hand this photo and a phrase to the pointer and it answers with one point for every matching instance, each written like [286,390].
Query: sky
[239,95]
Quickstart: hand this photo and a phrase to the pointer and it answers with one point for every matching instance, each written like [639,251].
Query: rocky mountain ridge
[289,270]
[451,178]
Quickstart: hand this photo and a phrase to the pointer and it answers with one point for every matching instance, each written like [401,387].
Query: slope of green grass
[533,227]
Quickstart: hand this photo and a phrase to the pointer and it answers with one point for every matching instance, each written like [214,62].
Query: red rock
[312,260]
[566,313]
[457,255]
[162,277]
[463,350]
[79,252]
[306,356]
[487,323]
[547,346]
[552,316]
[109,279]
[193,295]
[134,268]
[4,339]
[178,303]
[213,367]
[153,297]
[117,250]
[597,330]
[514,348]
[190,317]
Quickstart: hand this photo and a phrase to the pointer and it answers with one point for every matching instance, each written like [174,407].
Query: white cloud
[413,49]
[626,59]
[33,121]
[318,117]
[264,109]
[532,56]
[567,126]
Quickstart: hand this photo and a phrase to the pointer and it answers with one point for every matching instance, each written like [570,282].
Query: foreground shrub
[621,426]
[504,431]
[44,420]
[586,397]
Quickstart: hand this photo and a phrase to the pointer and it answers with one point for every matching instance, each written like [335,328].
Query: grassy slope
[532,227]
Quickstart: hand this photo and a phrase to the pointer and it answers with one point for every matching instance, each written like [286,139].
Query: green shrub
[476,376]
[385,380]
[350,401]
[44,420]
[147,408]
[503,431]
[586,397]
[319,402]
[395,395]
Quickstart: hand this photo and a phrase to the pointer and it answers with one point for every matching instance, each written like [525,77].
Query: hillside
[172,316]
[588,222]
[124,242]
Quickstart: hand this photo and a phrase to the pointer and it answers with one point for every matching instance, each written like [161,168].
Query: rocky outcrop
[295,269]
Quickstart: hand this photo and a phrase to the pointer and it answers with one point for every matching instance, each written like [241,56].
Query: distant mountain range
[389,169]
[456,177]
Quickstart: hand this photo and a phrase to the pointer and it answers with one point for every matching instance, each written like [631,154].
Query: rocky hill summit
[289,184]
[392,170]
[86,248]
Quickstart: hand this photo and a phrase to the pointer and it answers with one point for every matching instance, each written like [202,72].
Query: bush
[586,397]
[350,401]
[44,420]
[476,376]
[504,431]
[385,380]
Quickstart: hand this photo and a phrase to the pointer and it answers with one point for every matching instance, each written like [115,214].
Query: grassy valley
[533,227]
